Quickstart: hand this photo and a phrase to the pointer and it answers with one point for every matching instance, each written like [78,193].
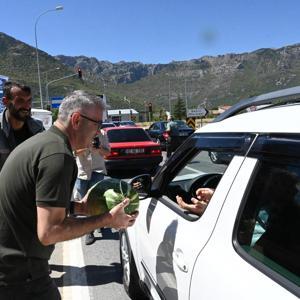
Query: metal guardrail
[289,95]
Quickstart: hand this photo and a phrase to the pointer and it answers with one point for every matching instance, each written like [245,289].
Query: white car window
[199,172]
[201,164]
[269,229]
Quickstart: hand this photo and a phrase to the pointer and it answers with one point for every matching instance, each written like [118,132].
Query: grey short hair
[77,101]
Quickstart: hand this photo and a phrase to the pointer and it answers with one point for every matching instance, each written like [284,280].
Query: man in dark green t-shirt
[36,183]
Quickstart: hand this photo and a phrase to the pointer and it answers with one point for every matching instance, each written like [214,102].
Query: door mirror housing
[142,185]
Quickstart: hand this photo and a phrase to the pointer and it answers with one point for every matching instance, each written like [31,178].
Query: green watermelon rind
[107,193]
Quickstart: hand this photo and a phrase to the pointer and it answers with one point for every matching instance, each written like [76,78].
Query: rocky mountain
[208,80]
[121,72]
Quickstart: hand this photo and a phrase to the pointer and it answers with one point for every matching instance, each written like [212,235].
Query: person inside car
[198,204]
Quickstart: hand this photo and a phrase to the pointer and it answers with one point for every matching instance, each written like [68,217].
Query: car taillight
[166,135]
[156,151]
[112,153]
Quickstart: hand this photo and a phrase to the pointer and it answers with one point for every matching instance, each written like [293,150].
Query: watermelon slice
[107,193]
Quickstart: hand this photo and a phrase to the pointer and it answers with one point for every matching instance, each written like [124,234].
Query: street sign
[191,122]
[197,112]
[56,101]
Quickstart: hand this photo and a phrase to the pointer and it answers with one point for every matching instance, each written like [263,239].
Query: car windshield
[127,135]
[181,124]
[201,164]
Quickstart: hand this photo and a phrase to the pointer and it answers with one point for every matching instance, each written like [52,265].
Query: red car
[132,148]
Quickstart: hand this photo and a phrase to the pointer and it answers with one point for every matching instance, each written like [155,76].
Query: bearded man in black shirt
[16,125]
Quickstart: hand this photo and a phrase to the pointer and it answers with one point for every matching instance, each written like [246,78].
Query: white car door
[236,264]
[168,242]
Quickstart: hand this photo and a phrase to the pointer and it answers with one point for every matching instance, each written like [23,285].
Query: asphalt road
[89,272]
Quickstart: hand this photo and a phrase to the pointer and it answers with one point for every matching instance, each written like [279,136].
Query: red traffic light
[79,73]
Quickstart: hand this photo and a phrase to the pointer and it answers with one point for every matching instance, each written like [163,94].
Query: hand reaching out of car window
[199,204]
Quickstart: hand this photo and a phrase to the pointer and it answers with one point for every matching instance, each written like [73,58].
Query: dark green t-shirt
[39,172]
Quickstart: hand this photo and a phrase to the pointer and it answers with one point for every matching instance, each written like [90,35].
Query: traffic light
[79,73]
[150,107]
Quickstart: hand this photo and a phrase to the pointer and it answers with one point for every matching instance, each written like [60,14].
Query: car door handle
[178,258]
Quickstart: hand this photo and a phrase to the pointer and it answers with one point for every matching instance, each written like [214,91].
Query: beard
[19,114]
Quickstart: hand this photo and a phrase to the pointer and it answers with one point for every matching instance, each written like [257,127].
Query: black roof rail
[278,97]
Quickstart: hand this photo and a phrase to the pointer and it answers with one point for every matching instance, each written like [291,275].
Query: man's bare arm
[54,226]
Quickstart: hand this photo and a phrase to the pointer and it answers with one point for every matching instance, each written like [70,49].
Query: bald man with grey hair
[36,184]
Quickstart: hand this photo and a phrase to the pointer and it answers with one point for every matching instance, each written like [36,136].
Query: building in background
[122,115]
[43,115]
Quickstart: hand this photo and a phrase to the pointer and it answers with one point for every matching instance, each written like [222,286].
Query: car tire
[214,157]
[131,281]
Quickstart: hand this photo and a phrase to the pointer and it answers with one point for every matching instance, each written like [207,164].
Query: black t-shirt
[39,172]
[22,134]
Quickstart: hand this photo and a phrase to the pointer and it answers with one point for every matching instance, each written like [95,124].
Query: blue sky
[152,31]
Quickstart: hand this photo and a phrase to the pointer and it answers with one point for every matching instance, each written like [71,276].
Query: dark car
[157,132]
[131,149]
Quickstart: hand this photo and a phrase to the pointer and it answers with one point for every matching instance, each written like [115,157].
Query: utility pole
[170,97]
[129,106]
[186,102]
[47,85]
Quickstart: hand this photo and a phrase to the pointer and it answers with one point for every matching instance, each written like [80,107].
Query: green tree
[179,109]
[54,114]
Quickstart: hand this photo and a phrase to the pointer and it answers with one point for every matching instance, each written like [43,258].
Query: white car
[246,244]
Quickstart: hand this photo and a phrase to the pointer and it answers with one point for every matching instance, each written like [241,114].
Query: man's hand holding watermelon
[106,201]
[119,219]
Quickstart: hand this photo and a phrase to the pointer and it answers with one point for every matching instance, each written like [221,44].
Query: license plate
[134,151]
[183,133]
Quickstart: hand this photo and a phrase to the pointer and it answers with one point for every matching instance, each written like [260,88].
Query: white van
[44,115]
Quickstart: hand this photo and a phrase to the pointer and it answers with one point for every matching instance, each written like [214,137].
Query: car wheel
[131,280]
[214,157]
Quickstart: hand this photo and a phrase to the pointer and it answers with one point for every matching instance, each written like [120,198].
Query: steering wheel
[206,181]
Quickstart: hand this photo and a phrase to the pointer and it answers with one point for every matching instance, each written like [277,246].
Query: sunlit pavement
[67,264]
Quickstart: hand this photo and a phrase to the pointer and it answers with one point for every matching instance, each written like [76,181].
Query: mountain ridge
[209,80]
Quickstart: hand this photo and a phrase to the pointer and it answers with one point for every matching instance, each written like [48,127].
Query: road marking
[194,170]
[75,286]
